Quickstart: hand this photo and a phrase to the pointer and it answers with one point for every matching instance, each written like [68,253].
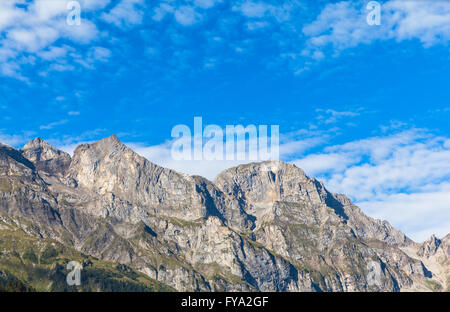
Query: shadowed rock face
[262,226]
[22,190]
[11,159]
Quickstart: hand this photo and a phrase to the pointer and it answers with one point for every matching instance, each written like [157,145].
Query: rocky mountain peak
[45,157]
[261,184]
[273,168]
[430,246]
[110,147]
[114,137]
[109,158]
[111,169]
[35,143]
[112,141]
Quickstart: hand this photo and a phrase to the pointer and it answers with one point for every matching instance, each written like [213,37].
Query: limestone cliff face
[263,226]
[263,186]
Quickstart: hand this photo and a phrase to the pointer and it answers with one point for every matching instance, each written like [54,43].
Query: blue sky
[364,108]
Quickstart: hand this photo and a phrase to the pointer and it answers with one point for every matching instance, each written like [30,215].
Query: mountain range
[136,226]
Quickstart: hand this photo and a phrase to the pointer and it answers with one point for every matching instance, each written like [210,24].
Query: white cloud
[325,163]
[253,9]
[329,116]
[70,148]
[206,4]
[297,145]
[32,30]
[186,15]
[59,68]
[343,25]
[13,140]
[9,14]
[418,214]
[255,25]
[281,12]
[402,178]
[100,54]
[36,27]
[68,144]
[161,155]
[161,11]
[126,13]
[55,52]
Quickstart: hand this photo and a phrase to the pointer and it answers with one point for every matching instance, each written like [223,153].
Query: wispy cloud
[13,140]
[393,177]
[329,116]
[53,124]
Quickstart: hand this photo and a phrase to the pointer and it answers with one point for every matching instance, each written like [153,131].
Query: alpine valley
[136,226]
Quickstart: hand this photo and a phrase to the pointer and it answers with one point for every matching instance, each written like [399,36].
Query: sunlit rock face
[258,227]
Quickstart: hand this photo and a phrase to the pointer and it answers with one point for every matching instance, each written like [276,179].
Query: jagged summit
[46,157]
[261,184]
[268,181]
[430,247]
[107,146]
[112,139]
[37,142]
[41,149]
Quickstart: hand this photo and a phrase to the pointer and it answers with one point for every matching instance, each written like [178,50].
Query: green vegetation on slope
[40,264]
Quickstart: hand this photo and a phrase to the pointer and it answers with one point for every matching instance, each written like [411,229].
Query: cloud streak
[401,177]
